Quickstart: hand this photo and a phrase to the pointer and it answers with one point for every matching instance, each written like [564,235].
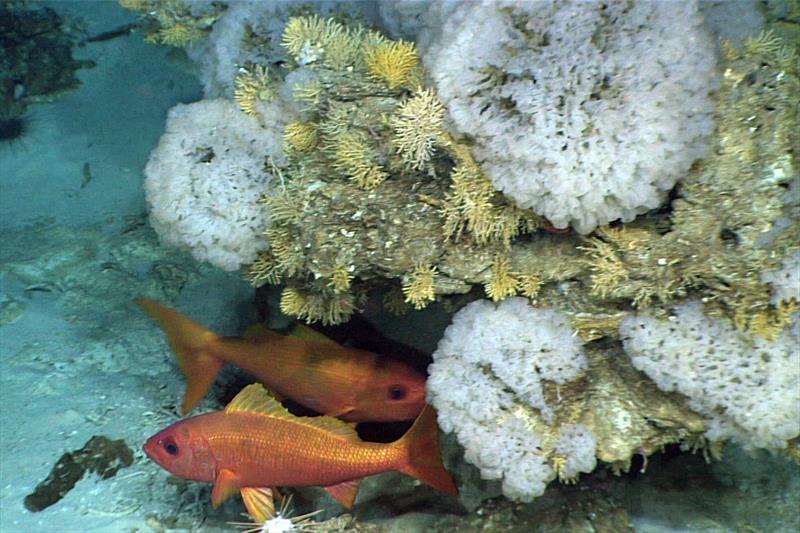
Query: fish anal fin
[259,502]
[226,485]
[345,492]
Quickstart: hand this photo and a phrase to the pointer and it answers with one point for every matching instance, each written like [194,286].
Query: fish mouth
[149,448]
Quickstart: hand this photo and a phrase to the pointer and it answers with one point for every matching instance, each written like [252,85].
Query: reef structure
[373,194]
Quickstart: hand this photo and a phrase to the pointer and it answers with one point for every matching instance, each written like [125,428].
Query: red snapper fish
[256,443]
[351,384]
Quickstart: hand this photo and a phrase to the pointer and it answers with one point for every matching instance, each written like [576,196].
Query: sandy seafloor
[78,359]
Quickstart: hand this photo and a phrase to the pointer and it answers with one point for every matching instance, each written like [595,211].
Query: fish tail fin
[423,458]
[191,343]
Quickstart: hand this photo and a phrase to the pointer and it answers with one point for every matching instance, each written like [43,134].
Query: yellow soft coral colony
[503,282]
[177,34]
[418,127]
[252,85]
[395,63]
[418,289]
[341,277]
[354,158]
[301,136]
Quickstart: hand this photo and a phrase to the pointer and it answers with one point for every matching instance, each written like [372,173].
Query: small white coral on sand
[747,387]
[585,112]
[486,384]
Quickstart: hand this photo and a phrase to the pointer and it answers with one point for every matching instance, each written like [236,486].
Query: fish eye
[170,447]
[397,392]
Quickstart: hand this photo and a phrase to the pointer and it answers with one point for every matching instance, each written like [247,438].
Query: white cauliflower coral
[747,387]
[585,112]
[205,177]
[486,380]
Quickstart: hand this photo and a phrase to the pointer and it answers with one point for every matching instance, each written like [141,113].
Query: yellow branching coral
[341,278]
[325,41]
[418,126]
[529,284]
[353,157]
[251,86]
[285,207]
[474,205]
[559,463]
[608,270]
[768,323]
[301,136]
[502,283]
[317,306]
[263,270]
[302,34]
[293,302]
[172,22]
[395,63]
[177,34]
[308,93]
[287,253]
[418,288]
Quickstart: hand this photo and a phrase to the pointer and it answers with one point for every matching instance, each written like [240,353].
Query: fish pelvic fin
[191,344]
[423,457]
[345,492]
[226,485]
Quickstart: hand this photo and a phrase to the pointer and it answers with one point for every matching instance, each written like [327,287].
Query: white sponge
[205,177]
[786,281]
[585,112]
[486,379]
[747,387]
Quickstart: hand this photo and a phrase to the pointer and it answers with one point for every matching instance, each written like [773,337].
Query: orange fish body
[348,383]
[255,442]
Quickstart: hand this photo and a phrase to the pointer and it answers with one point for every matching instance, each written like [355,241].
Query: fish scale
[280,447]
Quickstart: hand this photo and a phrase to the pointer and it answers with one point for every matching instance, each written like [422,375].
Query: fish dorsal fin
[255,331]
[332,425]
[256,399]
[297,330]
[345,492]
[301,331]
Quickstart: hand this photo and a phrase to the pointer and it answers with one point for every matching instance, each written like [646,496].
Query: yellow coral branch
[418,126]
[393,62]
[301,136]
[503,282]
[418,289]
[251,86]
[354,158]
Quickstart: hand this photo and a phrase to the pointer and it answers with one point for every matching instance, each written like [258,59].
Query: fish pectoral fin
[259,502]
[345,492]
[340,412]
[225,485]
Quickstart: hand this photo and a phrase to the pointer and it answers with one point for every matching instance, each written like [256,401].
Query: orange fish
[255,442]
[351,384]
